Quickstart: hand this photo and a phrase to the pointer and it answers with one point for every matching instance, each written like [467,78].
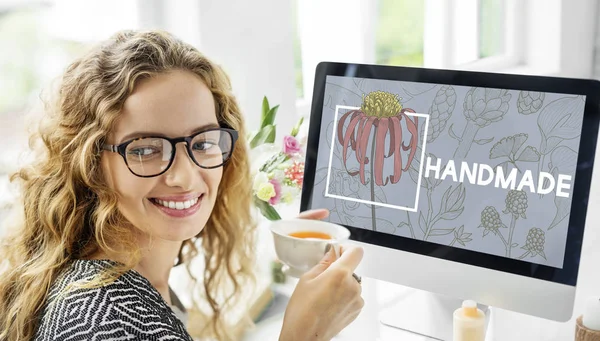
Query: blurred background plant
[277,169]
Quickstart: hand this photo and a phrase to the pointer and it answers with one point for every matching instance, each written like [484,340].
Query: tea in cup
[301,243]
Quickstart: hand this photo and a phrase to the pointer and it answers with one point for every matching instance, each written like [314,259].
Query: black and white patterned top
[130,308]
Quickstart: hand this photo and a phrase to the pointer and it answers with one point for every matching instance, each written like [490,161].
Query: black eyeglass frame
[122,148]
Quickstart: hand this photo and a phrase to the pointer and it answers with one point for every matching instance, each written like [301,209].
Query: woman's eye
[143,151]
[204,145]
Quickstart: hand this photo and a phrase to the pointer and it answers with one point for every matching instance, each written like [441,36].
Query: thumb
[329,257]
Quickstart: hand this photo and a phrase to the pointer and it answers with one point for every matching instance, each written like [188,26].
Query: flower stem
[525,254]
[513,221]
[540,170]
[502,237]
[412,233]
[468,136]
[453,241]
[429,225]
[372,160]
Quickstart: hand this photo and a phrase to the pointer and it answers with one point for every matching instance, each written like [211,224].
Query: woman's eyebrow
[137,134]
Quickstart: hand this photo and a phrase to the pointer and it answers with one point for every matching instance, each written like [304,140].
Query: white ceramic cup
[301,254]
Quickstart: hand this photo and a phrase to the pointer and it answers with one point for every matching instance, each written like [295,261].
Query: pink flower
[290,145]
[275,200]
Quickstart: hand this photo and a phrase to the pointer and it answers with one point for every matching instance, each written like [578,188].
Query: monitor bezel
[568,274]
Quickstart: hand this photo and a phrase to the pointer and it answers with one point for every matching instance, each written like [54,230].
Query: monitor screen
[460,170]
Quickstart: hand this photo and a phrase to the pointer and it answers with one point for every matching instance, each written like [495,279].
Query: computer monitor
[464,184]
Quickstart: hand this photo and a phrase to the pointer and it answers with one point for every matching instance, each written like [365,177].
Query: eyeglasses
[152,156]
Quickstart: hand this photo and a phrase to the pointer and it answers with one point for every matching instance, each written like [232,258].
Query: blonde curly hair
[69,212]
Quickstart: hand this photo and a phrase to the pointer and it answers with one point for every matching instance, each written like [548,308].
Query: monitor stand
[424,313]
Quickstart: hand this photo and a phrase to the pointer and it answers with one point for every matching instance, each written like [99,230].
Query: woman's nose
[183,170]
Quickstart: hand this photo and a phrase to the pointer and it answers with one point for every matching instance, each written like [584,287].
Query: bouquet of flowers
[278,170]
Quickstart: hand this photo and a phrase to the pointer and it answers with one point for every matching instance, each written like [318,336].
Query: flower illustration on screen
[380,118]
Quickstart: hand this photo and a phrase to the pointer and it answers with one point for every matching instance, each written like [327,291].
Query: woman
[142,159]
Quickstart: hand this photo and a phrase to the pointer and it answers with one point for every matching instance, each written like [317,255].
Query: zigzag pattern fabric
[130,308]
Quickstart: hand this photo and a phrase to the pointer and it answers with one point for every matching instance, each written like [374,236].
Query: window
[399,35]
[297,51]
[458,34]
[39,39]
[491,28]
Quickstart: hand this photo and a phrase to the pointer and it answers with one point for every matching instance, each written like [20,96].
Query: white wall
[251,40]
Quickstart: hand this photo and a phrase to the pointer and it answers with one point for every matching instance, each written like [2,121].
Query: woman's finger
[315,214]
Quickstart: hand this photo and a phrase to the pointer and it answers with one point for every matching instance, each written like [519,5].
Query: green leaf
[271,135]
[269,118]
[440,232]
[265,110]
[461,242]
[296,128]
[267,210]
[264,135]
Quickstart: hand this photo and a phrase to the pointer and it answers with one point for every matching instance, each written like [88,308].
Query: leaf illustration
[529,154]
[508,146]
[484,141]
[321,175]
[414,175]
[422,223]
[453,134]
[541,253]
[440,232]
[514,245]
[459,232]
[444,203]
[563,161]
[415,89]
[485,232]
[560,120]
[505,167]
[451,215]
[456,198]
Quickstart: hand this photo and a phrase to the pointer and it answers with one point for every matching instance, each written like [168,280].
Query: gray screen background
[511,128]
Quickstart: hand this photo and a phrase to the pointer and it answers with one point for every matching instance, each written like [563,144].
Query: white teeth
[178,205]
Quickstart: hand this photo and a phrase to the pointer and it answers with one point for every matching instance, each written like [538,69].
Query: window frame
[538,39]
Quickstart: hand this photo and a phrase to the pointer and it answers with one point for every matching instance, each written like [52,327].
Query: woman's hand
[327,298]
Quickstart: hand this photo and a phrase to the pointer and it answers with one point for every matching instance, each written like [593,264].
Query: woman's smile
[178,206]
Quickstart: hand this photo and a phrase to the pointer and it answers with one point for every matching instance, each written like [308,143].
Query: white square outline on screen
[410,209]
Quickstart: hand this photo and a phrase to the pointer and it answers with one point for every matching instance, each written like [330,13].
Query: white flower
[289,194]
[259,179]
[278,174]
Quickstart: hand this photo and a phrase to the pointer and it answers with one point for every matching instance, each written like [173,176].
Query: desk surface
[504,325]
